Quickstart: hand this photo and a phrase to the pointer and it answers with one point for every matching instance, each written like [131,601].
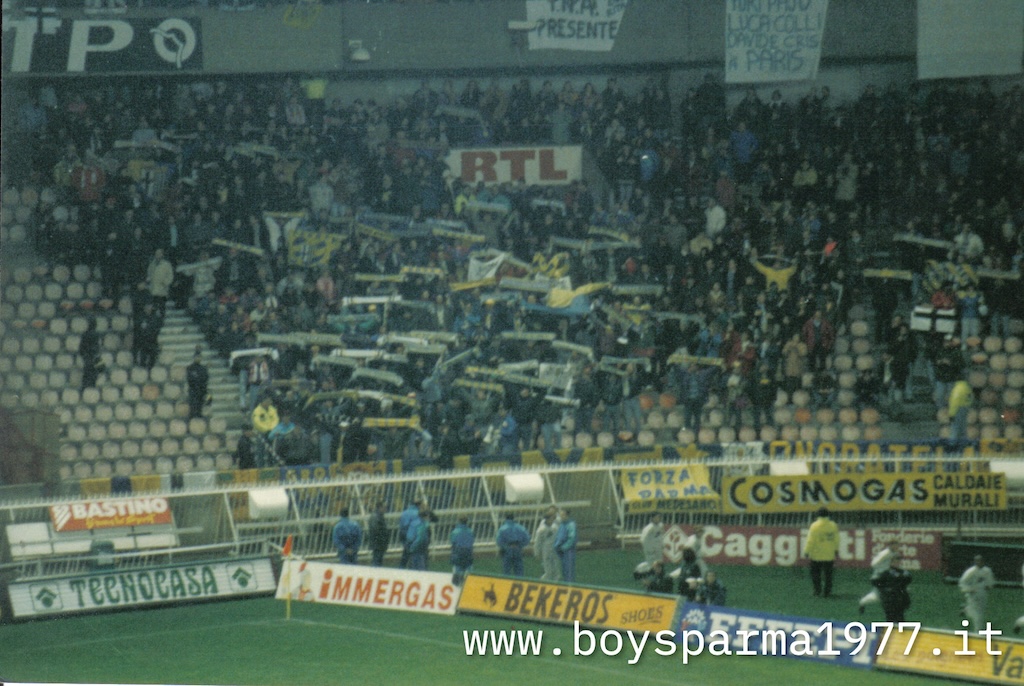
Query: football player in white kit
[879,565]
[975,584]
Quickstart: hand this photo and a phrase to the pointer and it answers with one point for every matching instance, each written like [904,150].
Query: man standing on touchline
[821,547]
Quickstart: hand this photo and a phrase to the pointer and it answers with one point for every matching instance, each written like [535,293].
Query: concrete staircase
[135,421]
[179,339]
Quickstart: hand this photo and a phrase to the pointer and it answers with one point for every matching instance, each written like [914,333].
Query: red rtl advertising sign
[543,165]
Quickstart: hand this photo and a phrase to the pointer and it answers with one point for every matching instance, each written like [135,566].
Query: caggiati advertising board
[782,546]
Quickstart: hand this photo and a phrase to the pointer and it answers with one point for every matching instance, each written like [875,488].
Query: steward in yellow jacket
[821,547]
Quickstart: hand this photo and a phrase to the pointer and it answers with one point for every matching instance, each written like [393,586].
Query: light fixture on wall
[519,30]
[356,51]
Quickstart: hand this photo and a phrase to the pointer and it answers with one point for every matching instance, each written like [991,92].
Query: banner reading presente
[773,40]
[574,24]
[859,492]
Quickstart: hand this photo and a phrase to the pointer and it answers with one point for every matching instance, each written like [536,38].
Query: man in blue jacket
[508,436]
[565,546]
[405,520]
[418,539]
[462,539]
[347,537]
[512,538]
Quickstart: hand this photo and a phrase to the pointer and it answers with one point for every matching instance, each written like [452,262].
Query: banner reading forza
[679,488]
[138,587]
[852,492]
[561,604]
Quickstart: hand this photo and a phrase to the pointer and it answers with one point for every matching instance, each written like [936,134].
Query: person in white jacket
[652,539]
[159,277]
[879,565]
[544,546]
[975,584]
[714,219]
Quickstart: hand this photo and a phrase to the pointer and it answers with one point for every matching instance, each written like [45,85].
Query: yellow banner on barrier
[563,604]
[858,492]
[876,450]
[470,285]
[675,488]
[934,653]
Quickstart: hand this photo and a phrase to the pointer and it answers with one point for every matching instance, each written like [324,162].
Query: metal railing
[216,522]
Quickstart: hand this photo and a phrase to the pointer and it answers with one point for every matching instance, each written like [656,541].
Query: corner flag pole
[286,554]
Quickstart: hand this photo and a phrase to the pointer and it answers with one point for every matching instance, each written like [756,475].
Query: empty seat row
[95,448]
[182,464]
[154,428]
[62,274]
[52,292]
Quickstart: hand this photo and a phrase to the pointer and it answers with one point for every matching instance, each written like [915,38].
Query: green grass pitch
[251,642]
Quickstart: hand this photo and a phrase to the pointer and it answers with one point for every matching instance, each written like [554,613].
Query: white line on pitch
[450,644]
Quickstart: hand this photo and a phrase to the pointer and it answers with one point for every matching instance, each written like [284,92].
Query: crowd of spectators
[756,220]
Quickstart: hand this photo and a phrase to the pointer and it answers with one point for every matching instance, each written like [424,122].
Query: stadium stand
[333,236]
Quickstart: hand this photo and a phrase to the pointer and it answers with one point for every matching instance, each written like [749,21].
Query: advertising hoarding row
[136,588]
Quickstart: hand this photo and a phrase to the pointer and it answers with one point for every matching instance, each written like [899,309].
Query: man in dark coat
[892,588]
[89,349]
[147,346]
[380,535]
[198,379]
[245,452]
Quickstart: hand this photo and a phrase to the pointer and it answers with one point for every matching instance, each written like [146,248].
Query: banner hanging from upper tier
[773,40]
[574,24]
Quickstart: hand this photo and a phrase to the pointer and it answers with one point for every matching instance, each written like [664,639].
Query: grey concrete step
[180,337]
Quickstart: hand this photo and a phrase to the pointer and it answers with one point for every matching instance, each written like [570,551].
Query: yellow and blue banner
[669,488]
